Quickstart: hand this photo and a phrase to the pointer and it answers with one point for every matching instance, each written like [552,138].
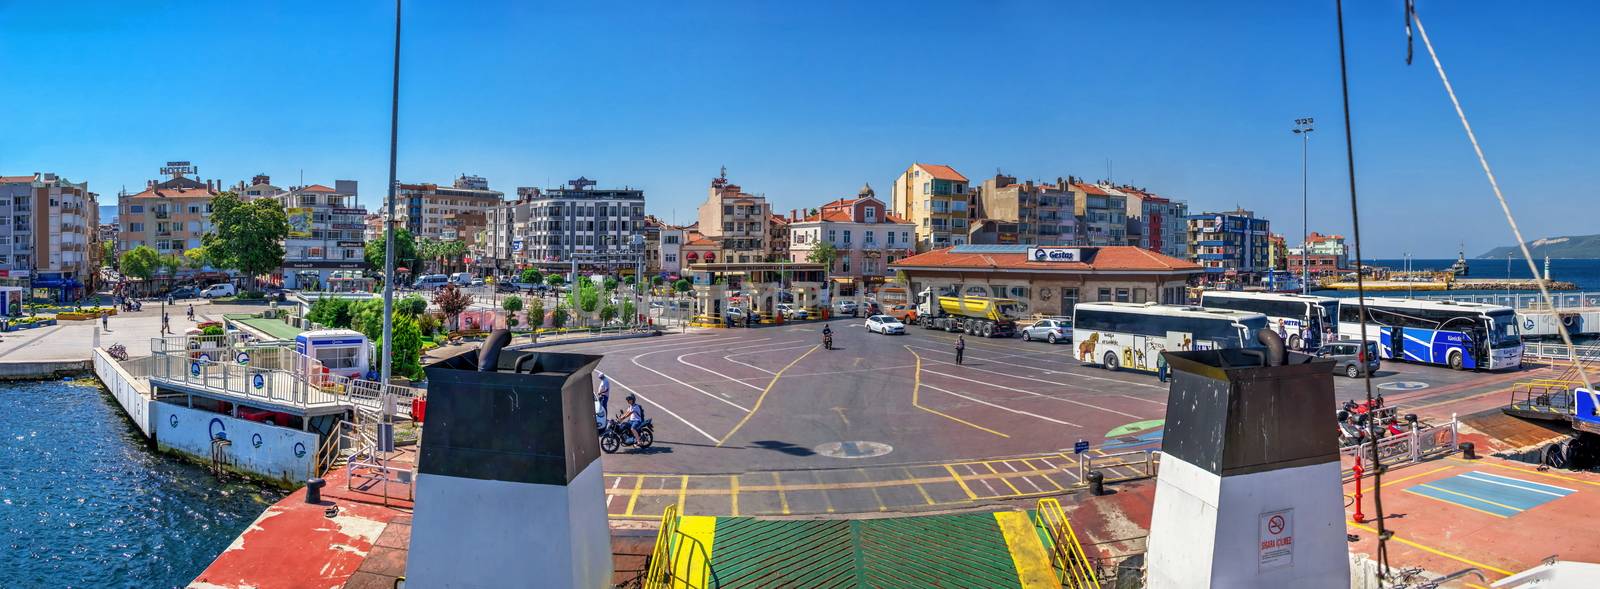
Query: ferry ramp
[1022,549]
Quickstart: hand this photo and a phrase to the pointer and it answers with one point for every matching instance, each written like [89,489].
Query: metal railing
[678,560]
[1525,301]
[1558,351]
[1414,446]
[1072,567]
[1119,466]
[267,371]
[1544,397]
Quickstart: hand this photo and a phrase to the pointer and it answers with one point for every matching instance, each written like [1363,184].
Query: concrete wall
[134,403]
[266,451]
[38,370]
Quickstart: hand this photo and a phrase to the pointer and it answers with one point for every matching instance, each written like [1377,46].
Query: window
[872,214]
[1105,295]
[672,257]
[833,236]
[1069,300]
[135,227]
[136,208]
[891,238]
[847,237]
[1138,295]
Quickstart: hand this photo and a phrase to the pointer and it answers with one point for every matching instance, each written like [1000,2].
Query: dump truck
[979,316]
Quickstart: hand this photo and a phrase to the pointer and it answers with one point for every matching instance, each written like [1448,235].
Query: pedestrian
[105,321]
[166,329]
[961,346]
[191,311]
[1161,367]
[604,395]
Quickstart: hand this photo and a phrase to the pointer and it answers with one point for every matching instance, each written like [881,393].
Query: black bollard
[1468,451]
[314,490]
[1097,483]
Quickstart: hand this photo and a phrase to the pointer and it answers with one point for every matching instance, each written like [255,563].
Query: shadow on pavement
[784,447]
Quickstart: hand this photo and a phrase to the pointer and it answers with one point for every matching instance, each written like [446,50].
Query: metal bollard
[1097,483]
[314,490]
[1468,451]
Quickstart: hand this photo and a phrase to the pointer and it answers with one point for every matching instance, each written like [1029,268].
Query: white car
[219,290]
[790,312]
[885,324]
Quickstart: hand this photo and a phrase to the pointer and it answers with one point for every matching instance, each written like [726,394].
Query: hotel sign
[1055,254]
[178,169]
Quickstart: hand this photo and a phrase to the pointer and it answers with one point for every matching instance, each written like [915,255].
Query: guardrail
[1071,565]
[1525,301]
[274,373]
[1412,447]
[1119,466]
[678,560]
[1558,351]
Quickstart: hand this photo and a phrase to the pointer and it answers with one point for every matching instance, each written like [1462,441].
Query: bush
[407,348]
[607,313]
[629,312]
[332,312]
[682,285]
[558,319]
[428,324]
[413,305]
[532,276]
[536,313]
[211,330]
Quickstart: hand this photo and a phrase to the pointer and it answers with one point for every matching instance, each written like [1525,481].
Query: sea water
[85,503]
[1582,272]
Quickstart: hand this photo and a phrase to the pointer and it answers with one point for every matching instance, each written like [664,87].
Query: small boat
[1459,268]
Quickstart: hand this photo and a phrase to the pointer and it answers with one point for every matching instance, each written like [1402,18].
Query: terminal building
[1051,280]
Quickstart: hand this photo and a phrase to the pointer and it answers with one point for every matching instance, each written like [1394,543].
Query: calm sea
[83,503]
[1584,273]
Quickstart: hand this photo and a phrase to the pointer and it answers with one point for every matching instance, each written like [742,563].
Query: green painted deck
[272,327]
[990,550]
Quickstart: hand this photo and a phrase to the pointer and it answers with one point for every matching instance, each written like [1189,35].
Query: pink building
[867,238]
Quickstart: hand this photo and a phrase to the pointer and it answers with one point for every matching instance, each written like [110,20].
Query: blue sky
[805,101]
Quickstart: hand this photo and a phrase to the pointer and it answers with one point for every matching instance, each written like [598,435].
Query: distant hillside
[1571,246]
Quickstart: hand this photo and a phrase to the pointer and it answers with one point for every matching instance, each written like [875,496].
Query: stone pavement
[72,340]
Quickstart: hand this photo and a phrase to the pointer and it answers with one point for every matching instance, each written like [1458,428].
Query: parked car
[1348,359]
[905,313]
[219,290]
[845,307]
[461,279]
[1051,329]
[885,324]
[184,292]
[431,281]
[790,312]
[477,282]
[507,287]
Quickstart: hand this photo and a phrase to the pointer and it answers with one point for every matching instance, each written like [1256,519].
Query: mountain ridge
[1566,246]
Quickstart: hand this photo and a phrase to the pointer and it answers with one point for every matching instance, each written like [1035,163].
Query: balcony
[163,215]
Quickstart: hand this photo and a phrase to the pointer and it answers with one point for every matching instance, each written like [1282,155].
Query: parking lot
[764,420]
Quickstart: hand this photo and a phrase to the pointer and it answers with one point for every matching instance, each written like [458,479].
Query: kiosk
[342,351]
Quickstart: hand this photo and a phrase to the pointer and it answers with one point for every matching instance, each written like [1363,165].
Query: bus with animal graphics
[1463,336]
[1133,335]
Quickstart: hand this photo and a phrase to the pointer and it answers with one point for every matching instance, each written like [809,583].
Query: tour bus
[1301,319]
[1460,335]
[1133,335]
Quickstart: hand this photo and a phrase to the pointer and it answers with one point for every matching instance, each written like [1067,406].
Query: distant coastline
[1567,247]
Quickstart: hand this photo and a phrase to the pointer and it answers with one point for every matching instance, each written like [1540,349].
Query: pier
[1579,312]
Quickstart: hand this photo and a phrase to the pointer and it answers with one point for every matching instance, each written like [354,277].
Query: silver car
[1051,330]
[1348,359]
[845,307]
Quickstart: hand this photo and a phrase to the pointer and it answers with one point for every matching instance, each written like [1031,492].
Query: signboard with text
[1055,254]
[1277,539]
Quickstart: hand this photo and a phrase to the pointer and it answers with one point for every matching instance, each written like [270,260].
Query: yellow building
[937,200]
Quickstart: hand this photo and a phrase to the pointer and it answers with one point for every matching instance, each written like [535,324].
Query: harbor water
[85,503]
[1585,273]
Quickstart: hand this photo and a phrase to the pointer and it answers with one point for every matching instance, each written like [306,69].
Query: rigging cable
[1544,289]
[1361,304]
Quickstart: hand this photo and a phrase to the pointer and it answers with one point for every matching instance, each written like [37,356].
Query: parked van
[461,279]
[430,281]
[219,290]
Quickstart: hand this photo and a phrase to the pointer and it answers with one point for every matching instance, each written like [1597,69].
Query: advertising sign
[299,221]
[1055,254]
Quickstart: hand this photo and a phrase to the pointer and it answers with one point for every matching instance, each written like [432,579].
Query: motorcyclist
[633,415]
[827,337]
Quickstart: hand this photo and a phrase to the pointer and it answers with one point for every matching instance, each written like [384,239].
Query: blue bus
[1463,336]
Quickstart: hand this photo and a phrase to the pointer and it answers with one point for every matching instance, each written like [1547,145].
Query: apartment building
[260,186]
[1157,223]
[326,233]
[1231,246]
[170,216]
[1324,254]
[431,211]
[867,237]
[1101,211]
[1010,212]
[936,199]
[669,248]
[547,227]
[737,222]
[50,234]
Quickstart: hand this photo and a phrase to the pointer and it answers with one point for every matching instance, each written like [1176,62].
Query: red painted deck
[296,545]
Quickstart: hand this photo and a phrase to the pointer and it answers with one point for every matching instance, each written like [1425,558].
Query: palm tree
[452,252]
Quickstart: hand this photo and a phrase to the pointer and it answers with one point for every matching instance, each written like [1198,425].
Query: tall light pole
[388,249]
[1302,127]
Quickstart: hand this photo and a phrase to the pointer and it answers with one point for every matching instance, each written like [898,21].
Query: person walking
[166,327]
[1161,367]
[604,395]
[191,311]
[105,321]
[961,346]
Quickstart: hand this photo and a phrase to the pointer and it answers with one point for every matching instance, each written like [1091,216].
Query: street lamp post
[387,367]
[1302,127]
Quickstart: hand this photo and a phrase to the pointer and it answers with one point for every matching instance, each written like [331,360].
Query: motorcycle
[827,341]
[616,434]
[118,352]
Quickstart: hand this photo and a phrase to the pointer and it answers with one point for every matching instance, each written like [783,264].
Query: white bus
[1305,322]
[1133,335]
[1459,335]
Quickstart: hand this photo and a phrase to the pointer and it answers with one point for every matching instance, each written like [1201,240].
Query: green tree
[332,312]
[171,263]
[824,254]
[140,262]
[108,253]
[532,276]
[558,319]
[405,251]
[197,257]
[413,305]
[657,281]
[629,312]
[512,304]
[611,284]
[367,318]
[407,358]
[588,297]
[452,302]
[554,280]
[536,313]
[682,285]
[607,313]
[246,236]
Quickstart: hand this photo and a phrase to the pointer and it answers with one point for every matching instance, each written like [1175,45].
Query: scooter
[827,341]
[616,435]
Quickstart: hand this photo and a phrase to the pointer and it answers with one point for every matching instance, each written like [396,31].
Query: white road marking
[609,496]
[1001,386]
[729,378]
[668,411]
[635,361]
[1075,374]
[1000,407]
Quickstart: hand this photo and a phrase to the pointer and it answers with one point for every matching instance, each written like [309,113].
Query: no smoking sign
[1277,539]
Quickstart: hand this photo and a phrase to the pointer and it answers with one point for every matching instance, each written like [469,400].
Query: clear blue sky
[805,101]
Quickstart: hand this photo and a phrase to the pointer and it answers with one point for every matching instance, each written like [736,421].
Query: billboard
[299,221]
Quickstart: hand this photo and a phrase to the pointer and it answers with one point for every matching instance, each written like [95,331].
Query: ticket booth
[11,301]
[342,351]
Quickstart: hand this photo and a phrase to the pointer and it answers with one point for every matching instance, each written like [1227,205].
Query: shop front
[1051,281]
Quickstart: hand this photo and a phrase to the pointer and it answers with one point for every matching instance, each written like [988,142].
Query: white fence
[270,373]
[1412,447]
[1558,351]
[1525,301]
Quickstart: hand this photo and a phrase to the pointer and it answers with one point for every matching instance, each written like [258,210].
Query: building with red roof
[1050,280]
[740,223]
[865,235]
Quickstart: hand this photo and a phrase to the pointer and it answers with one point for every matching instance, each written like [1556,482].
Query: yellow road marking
[1368,490]
[913,479]
[1472,497]
[875,496]
[1454,504]
[634,498]
[828,501]
[791,487]
[733,491]
[1045,474]
[1431,550]
[782,498]
[763,397]
[916,389]
[683,491]
[964,487]
[1526,470]
[1014,490]
[1027,550]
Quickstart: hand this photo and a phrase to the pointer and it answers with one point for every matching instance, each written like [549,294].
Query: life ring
[1569,321]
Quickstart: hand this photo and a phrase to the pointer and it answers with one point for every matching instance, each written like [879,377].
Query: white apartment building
[546,227]
[49,234]
[738,222]
[326,233]
[866,236]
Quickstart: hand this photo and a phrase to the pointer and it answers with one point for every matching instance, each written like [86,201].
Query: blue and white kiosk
[342,351]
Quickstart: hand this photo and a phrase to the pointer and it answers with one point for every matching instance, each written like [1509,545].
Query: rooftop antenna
[724,173]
